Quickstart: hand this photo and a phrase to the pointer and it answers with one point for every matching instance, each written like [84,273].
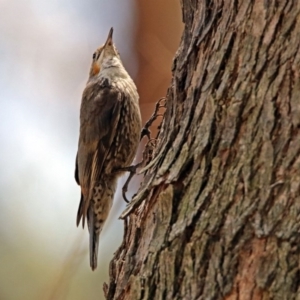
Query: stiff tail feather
[94,238]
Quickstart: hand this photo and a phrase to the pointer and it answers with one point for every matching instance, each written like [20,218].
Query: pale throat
[112,68]
[110,62]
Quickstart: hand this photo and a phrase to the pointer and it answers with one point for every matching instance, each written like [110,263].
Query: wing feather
[100,113]
[76,170]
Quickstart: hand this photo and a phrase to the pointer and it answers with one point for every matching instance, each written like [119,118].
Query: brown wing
[99,117]
[76,170]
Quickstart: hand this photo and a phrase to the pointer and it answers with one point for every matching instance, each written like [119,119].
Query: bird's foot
[132,172]
[146,157]
[146,130]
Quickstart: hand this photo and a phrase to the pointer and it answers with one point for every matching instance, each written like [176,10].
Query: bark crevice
[217,215]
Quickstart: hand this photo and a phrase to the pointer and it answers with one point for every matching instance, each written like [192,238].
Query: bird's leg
[147,153]
[132,172]
[146,131]
[146,156]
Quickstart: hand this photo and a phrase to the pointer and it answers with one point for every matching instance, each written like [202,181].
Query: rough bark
[218,213]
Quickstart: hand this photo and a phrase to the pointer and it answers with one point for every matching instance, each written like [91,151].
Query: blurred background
[45,54]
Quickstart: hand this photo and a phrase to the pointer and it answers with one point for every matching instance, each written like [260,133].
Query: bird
[109,135]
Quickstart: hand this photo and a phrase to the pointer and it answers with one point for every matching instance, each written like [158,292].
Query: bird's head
[106,56]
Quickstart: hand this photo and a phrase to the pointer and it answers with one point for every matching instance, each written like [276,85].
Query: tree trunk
[218,213]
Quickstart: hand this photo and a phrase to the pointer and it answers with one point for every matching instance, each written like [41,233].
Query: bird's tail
[94,238]
[97,214]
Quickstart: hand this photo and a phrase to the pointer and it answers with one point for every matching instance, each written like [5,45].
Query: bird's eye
[94,55]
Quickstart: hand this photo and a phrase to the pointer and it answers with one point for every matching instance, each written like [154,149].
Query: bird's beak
[109,40]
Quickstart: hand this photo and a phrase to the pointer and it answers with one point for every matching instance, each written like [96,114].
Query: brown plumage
[110,125]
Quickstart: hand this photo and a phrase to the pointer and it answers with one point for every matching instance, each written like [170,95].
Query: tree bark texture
[218,213]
